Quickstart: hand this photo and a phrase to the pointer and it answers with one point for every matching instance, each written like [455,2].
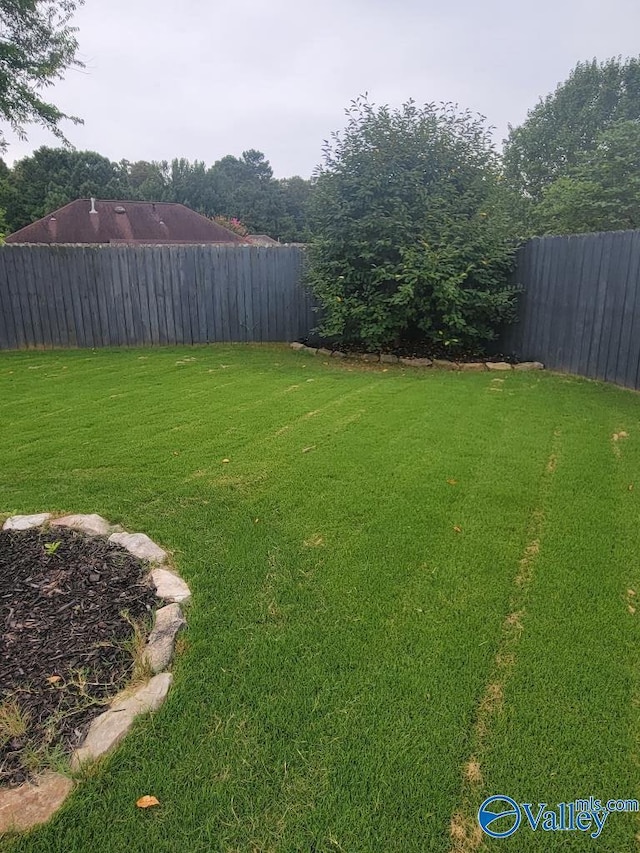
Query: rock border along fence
[442,364]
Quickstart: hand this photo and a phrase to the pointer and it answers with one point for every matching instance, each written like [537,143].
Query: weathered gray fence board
[92,296]
[580,309]
[69,287]
[629,353]
[61,338]
[120,298]
[7,331]
[612,326]
[23,300]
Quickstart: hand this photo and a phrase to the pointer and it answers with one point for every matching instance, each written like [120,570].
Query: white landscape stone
[498,365]
[159,651]
[297,345]
[26,522]
[92,525]
[32,803]
[107,730]
[169,586]
[529,365]
[140,546]
[416,362]
[145,699]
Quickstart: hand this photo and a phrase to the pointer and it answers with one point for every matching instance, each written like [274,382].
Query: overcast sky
[201,79]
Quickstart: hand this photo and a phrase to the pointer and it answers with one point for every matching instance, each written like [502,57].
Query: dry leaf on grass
[147,802]
[308,449]
[452,482]
[224,461]
[457,529]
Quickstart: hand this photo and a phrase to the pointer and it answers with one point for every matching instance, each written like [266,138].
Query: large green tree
[412,234]
[567,123]
[37,45]
[148,181]
[244,187]
[293,221]
[601,192]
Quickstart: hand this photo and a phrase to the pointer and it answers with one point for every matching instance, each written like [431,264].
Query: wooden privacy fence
[94,296]
[580,310]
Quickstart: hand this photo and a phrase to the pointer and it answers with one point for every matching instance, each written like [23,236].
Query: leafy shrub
[412,231]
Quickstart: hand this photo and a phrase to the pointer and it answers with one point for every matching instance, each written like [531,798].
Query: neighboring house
[121,222]
[261,240]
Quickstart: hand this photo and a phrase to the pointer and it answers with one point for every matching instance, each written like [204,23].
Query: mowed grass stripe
[569,728]
[342,629]
[466,834]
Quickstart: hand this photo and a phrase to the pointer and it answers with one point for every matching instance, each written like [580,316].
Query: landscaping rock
[417,362]
[324,351]
[140,546]
[369,356]
[338,354]
[529,365]
[296,345]
[145,699]
[310,350]
[444,364]
[105,733]
[387,358]
[107,730]
[92,525]
[26,522]
[159,651]
[169,586]
[33,803]
[498,365]
[473,365]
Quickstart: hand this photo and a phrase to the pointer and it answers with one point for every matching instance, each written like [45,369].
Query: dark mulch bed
[63,638]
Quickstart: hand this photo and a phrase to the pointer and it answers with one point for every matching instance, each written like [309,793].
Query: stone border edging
[33,803]
[442,364]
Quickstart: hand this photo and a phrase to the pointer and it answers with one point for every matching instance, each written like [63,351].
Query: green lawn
[411,590]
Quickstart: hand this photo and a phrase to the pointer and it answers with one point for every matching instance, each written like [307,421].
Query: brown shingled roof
[124,222]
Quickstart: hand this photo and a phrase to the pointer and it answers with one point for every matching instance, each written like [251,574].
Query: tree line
[241,188]
[572,166]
